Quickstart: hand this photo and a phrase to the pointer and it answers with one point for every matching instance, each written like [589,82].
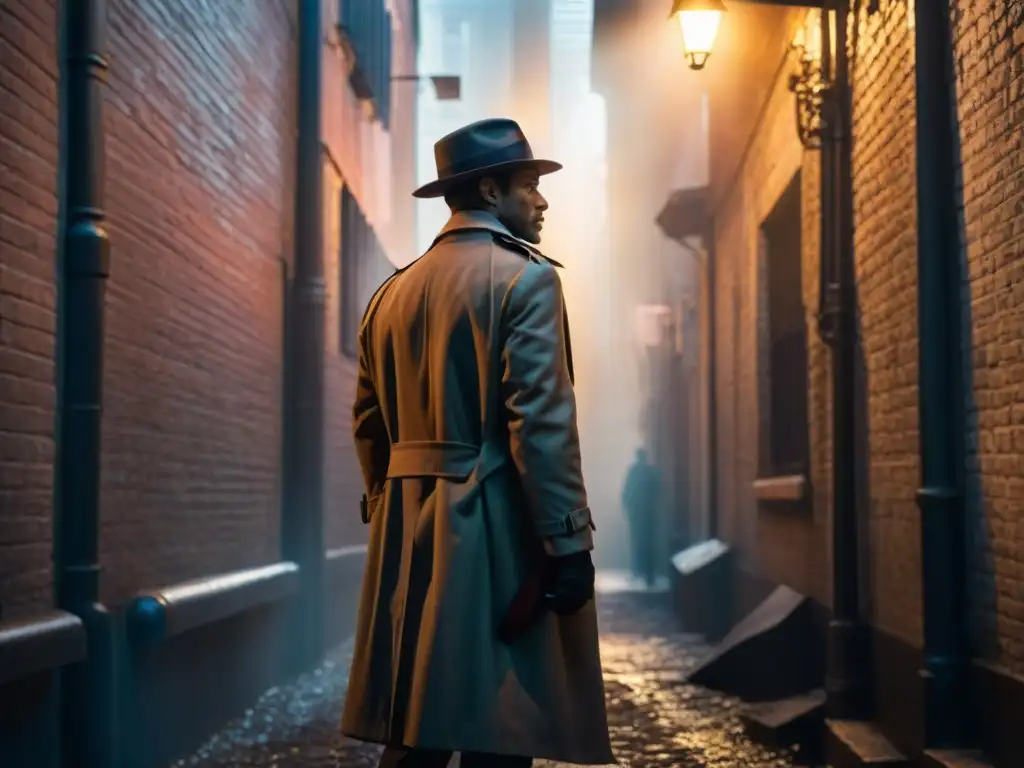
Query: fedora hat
[480,148]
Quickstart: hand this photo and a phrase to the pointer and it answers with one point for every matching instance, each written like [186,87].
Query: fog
[531,60]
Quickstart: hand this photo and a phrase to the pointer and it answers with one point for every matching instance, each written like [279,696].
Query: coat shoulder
[527,251]
[375,299]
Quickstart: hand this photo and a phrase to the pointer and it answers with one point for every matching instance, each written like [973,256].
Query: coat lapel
[481,221]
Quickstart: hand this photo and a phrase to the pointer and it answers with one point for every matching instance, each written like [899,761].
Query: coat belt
[445,459]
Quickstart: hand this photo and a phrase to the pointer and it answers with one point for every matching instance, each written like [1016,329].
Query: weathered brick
[749,174]
[990,89]
[200,146]
[989,43]
[28,222]
[200,133]
[356,153]
[885,247]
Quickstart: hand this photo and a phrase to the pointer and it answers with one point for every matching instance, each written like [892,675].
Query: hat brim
[440,186]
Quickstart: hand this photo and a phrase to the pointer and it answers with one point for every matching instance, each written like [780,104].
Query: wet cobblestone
[656,719]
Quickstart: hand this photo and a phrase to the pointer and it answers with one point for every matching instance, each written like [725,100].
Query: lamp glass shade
[699,28]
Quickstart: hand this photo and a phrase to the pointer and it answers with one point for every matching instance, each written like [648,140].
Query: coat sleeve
[538,394]
[373,446]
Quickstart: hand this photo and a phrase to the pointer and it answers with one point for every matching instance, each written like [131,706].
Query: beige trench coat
[465,427]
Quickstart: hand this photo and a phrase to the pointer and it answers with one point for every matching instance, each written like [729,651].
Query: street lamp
[698,22]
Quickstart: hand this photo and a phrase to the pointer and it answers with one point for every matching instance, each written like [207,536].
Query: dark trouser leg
[482,760]
[402,757]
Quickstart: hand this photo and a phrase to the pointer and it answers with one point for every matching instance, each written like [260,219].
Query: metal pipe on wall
[88,688]
[303,512]
[826,168]
[704,257]
[712,379]
[940,383]
[845,675]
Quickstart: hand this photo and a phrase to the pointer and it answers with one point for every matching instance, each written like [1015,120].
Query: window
[368,26]
[364,266]
[785,443]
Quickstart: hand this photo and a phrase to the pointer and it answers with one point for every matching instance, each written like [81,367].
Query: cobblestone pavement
[656,719]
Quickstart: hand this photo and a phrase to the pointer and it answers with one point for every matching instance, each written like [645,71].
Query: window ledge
[786,488]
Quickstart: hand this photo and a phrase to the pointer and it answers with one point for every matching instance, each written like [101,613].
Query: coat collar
[484,220]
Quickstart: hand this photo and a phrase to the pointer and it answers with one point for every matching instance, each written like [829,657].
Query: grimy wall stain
[29,126]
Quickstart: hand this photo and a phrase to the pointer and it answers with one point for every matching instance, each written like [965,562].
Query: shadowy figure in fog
[640,497]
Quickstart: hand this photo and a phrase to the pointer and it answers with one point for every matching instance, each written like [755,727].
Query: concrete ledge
[771,654]
[787,488]
[700,582]
[154,617]
[856,743]
[343,557]
[39,643]
[792,723]
[950,758]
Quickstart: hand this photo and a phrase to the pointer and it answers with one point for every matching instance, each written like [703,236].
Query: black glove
[570,584]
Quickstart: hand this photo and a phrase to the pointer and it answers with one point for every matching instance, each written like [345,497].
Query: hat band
[520,150]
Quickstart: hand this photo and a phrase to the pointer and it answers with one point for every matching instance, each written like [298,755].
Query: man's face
[521,209]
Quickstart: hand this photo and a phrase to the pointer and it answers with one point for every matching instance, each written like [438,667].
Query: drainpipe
[87,700]
[827,294]
[712,358]
[845,676]
[705,261]
[303,513]
[940,378]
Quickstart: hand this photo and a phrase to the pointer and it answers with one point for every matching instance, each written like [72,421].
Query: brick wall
[885,244]
[989,45]
[819,385]
[200,134]
[200,146]
[989,42]
[28,231]
[750,171]
[782,547]
[374,164]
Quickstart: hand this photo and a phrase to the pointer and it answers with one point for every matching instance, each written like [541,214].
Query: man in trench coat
[465,428]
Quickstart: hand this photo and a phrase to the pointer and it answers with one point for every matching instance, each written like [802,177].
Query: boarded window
[785,444]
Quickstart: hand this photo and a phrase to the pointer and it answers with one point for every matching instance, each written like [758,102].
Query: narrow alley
[656,718]
[747,319]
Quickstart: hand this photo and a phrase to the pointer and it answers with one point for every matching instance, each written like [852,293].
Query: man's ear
[490,193]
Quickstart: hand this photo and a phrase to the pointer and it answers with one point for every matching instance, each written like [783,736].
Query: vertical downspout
[87,689]
[826,168]
[845,681]
[712,471]
[940,378]
[303,513]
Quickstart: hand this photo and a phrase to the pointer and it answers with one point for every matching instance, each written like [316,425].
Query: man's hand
[571,583]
